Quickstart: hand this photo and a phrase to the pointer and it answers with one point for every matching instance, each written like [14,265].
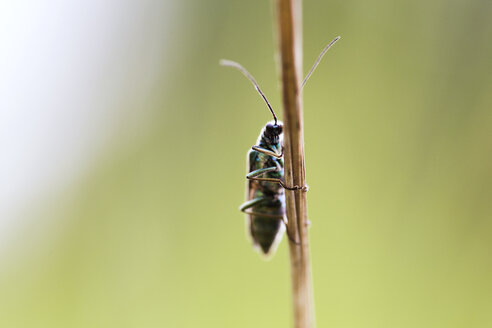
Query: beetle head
[272,132]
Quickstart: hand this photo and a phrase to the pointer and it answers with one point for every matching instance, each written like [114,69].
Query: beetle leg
[273,216]
[246,205]
[282,183]
[250,203]
[268,151]
[253,176]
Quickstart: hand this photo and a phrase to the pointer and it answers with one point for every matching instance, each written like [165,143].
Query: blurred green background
[398,121]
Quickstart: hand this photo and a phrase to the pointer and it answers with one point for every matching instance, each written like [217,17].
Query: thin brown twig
[288,13]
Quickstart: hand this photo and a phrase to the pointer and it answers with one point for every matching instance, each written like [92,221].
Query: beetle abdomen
[265,231]
[266,225]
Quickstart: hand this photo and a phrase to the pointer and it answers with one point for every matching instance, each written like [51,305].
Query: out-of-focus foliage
[398,122]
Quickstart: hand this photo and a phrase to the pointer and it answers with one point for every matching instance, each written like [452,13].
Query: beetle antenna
[230,63]
[318,60]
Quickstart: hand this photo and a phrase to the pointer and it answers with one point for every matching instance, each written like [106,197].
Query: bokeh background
[122,162]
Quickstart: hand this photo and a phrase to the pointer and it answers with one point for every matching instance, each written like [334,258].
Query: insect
[265,197]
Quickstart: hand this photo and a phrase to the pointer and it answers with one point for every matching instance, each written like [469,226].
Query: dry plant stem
[288,14]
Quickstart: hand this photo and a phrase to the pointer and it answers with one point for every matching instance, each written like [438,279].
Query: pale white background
[73,75]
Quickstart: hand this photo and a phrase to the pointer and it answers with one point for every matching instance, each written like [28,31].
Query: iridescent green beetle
[265,196]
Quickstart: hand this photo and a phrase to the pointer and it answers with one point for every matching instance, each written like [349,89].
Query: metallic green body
[265,200]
